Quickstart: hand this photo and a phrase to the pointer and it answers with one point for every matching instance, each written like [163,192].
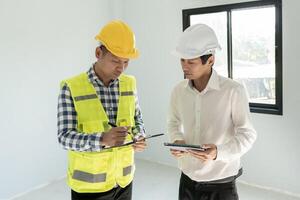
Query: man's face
[194,68]
[111,66]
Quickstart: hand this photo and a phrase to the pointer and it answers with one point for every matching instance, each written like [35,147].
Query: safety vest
[91,172]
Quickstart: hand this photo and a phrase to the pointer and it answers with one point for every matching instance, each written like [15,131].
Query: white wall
[274,159]
[41,42]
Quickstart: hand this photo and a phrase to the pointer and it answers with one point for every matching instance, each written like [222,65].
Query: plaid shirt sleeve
[68,136]
[139,129]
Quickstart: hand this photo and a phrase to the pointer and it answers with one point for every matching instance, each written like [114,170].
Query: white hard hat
[197,40]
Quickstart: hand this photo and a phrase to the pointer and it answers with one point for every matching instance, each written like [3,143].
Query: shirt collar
[94,78]
[213,82]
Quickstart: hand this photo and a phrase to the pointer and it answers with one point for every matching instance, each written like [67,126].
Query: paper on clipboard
[184,147]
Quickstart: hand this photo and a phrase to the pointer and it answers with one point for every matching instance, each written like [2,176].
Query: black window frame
[276,108]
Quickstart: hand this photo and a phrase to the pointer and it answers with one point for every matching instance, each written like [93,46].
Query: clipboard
[184,147]
[132,142]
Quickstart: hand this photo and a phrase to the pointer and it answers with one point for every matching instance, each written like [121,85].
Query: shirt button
[110,108]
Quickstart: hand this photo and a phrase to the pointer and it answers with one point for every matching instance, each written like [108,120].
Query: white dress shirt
[218,115]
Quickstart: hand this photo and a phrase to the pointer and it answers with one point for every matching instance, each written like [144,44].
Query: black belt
[223,180]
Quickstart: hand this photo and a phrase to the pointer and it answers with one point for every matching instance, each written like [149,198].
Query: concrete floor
[152,181]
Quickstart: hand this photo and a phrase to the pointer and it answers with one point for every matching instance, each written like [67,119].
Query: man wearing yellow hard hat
[98,114]
[211,112]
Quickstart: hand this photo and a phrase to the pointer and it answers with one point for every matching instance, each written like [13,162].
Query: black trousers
[117,193]
[193,190]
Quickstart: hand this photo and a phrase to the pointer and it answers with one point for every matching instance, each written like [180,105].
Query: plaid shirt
[69,137]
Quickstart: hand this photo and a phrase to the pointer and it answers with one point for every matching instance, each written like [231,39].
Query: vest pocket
[126,168]
[93,165]
[126,155]
[91,171]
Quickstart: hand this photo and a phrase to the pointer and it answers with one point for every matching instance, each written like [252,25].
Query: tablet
[184,147]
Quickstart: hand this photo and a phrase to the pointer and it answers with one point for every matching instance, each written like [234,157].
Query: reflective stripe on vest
[127,170]
[100,171]
[87,177]
[128,93]
[86,97]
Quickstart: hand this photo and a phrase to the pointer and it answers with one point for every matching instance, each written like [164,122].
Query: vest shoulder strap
[127,83]
[80,85]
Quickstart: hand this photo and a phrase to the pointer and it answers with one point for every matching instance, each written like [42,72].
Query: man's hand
[115,136]
[178,153]
[140,144]
[210,152]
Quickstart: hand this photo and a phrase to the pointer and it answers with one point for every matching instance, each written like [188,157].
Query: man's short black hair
[204,58]
[103,49]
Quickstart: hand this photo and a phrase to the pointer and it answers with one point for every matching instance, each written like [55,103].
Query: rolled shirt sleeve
[139,129]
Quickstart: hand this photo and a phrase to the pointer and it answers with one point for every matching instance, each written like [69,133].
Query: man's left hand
[210,152]
[140,144]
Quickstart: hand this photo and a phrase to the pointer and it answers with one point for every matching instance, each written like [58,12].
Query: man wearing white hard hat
[98,113]
[212,111]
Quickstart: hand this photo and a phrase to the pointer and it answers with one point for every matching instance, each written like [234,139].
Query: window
[251,38]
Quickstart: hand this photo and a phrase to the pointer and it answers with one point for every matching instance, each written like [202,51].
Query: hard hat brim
[183,55]
[134,54]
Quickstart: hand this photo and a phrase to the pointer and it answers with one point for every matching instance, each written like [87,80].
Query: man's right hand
[115,136]
[178,153]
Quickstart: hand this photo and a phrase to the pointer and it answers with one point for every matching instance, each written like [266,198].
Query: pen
[114,125]
[155,135]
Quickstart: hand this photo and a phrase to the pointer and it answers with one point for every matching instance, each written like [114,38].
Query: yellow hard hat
[119,39]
